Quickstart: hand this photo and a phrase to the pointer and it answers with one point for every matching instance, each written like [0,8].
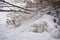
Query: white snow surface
[24,32]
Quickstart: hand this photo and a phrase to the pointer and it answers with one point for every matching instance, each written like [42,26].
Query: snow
[27,36]
[3,26]
[21,33]
[25,31]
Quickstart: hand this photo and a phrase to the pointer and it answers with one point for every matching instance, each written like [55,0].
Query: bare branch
[18,6]
[13,11]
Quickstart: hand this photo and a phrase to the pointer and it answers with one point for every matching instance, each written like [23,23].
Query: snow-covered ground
[25,31]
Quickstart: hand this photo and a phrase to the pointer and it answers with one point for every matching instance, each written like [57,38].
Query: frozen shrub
[38,28]
[14,19]
[41,26]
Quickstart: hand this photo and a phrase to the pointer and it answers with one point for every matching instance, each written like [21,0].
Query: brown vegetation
[40,3]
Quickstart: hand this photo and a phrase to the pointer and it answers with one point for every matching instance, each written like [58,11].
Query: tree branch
[13,11]
[18,6]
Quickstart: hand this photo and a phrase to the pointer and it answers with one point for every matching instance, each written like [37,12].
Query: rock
[54,20]
[49,13]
